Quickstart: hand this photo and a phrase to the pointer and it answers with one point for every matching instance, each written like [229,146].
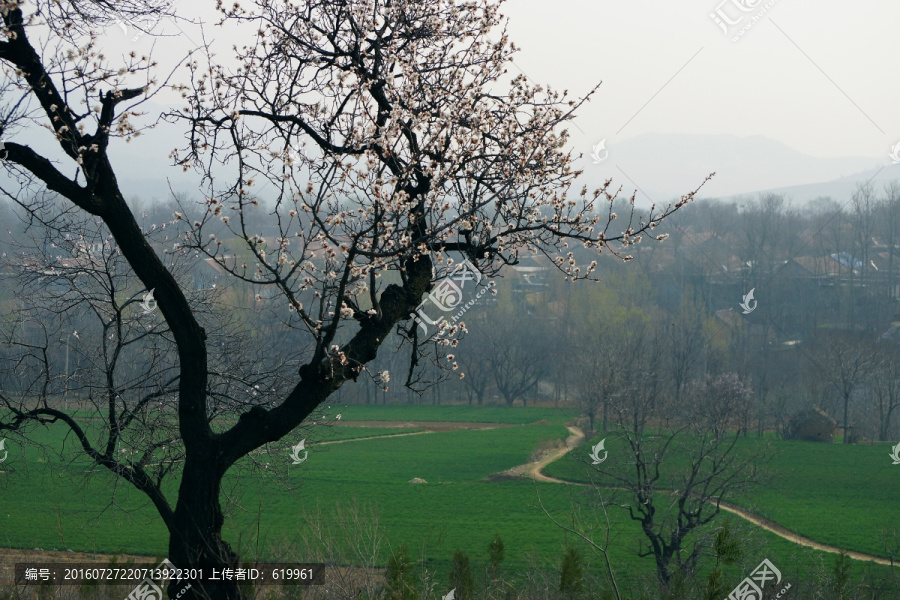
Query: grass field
[47,501]
[839,495]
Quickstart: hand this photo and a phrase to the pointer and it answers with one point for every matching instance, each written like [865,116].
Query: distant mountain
[664,166]
[841,189]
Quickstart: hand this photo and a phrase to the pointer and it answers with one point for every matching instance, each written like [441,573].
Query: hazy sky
[820,77]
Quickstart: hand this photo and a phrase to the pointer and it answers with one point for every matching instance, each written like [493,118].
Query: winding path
[535,469]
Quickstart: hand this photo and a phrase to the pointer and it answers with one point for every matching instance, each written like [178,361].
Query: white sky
[820,77]
[760,85]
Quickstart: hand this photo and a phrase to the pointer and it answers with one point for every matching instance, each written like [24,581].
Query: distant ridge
[664,166]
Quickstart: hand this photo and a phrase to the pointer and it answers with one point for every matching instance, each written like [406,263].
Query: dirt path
[371,437]
[534,469]
[576,437]
[427,426]
[796,538]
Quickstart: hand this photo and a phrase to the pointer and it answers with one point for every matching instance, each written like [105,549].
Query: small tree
[728,551]
[495,556]
[399,580]
[461,578]
[571,573]
[842,574]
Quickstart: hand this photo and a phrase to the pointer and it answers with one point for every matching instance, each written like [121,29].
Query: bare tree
[671,503]
[889,230]
[516,363]
[416,160]
[86,336]
[765,227]
[885,386]
[604,369]
[474,362]
[846,361]
[864,224]
[684,343]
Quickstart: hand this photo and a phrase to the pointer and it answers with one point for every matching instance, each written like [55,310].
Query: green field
[49,501]
[841,495]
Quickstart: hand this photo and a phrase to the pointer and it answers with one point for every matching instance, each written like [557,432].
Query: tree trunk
[885,429]
[662,554]
[195,538]
[605,414]
[846,425]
